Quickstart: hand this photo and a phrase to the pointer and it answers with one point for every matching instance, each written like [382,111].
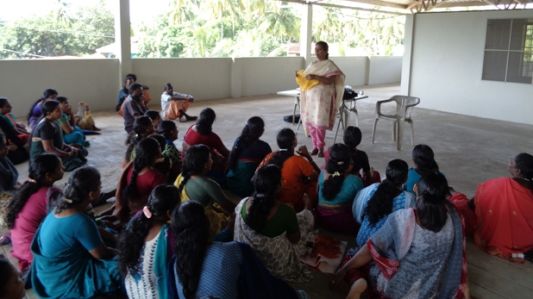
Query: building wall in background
[204,78]
[96,81]
[447,64]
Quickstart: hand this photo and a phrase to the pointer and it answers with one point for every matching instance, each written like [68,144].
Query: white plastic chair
[404,105]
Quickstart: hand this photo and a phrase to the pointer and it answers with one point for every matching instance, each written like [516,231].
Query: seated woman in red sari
[202,133]
[138,179]
[504,210]
[298,172]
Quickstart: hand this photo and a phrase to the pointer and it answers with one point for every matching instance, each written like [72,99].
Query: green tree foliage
[62,32]
[355,32]
[221,28]
[241,28]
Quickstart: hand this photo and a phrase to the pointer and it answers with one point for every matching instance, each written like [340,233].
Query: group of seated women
[53,129]
[212,222]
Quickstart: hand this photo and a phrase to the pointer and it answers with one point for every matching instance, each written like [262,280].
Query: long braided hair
[196,158]
[40,170]
[424,159]
[380,205]
[254,128]
[339,161]
[267,183]
[161,203]
[432,202]
[285,139]
[147,151]
[191,228]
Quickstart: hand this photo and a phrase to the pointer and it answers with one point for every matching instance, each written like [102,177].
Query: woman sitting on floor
[194,184]
[202,133]
[146,247]
[247,152]
[8,173]
[5,113]
[174,105]
[70,259]
[35,114]
[298,172]
[31,204]
[337,188]
[206,269]
[361,167]
[71,134]
[272,228]
[376,202]
[138,179]
[47,137]
[417,253]
[504,210]
[425,164]
[15,133]
[142,128]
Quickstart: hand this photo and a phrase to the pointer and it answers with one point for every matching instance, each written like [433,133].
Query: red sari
[504,211]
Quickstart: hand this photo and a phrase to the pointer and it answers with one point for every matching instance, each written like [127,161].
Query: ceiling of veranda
[415,6]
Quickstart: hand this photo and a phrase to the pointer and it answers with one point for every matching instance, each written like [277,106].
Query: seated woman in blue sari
[205,269]
[417,253]
[71,133]
[145,247]
[247,152]
[376,202]
[425,164]
[70,259]
[337,188]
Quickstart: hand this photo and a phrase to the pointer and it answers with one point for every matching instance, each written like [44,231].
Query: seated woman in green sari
[194,184]
[70,259]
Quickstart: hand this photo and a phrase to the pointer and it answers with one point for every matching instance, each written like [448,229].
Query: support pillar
[407,62]
[123,39]
[306,33]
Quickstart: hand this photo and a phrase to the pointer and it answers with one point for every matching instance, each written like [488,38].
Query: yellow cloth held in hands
[303,82]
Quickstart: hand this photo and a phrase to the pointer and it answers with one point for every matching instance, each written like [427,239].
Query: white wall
[384,70]
[94,81]
[355,69]
[263,75]
[97,80]
[204,78]
[447,65]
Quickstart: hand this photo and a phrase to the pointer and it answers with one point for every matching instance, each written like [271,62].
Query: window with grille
[509,51]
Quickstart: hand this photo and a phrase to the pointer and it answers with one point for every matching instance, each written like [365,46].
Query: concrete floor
[469,150]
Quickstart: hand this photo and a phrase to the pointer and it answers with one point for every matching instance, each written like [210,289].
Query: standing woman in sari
[321,90]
